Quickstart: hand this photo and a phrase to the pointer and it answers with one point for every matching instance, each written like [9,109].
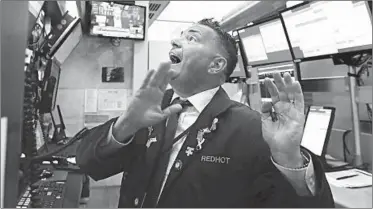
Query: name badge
[215,159]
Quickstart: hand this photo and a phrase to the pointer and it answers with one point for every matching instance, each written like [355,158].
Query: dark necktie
[161,168]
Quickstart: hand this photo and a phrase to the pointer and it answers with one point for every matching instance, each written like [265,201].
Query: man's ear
[217,65]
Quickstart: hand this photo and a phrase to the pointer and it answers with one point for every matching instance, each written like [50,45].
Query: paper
[112,99]
[4,130]
[90,100]
[362,178]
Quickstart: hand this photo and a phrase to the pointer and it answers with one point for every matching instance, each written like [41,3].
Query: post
[355,116]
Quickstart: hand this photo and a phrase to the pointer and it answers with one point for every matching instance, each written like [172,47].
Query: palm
[284,134]
[145,108]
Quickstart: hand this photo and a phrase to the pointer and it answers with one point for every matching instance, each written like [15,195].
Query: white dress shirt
[190,115]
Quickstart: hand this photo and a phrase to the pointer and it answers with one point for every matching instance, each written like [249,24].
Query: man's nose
[175,43]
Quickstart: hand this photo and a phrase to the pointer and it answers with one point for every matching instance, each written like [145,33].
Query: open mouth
[175,59]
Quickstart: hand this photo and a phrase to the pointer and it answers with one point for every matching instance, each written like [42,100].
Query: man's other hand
[283,120]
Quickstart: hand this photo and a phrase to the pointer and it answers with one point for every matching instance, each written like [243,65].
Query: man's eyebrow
[194,31]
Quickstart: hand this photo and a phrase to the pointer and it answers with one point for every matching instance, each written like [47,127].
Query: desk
[352,198]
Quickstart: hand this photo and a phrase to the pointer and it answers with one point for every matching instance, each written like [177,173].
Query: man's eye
[192,38]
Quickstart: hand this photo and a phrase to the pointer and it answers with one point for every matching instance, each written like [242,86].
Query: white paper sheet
[362,178]
[112,99]
[90,100]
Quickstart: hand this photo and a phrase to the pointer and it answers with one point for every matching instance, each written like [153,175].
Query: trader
[193,147]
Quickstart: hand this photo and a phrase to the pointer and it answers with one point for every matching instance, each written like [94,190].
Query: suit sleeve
[99,160]
[271,189]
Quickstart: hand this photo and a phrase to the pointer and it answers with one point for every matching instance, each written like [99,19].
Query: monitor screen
[328,27]
[316,129]
[112,19]
[262,46]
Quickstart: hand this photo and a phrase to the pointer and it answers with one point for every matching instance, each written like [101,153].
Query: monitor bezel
[266,20]
[362,49]
[241,63]
[89,13]
[330,127]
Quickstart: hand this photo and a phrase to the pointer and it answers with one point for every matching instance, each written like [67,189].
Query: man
[194,147]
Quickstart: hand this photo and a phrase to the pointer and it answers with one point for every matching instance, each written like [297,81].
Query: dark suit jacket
[247,179]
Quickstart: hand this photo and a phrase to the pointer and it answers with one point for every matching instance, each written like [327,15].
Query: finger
[172,110]
[147,79]
[298,97]
[161,74]
[288,79]
[279,82]
[289,86]
[266,110]
[272,89]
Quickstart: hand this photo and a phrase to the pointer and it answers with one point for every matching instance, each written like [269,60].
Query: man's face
[193,55]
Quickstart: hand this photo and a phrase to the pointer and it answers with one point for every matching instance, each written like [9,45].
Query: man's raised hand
[145,108]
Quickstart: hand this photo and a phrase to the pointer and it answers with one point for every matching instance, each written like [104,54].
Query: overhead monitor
[117,20]
[323,28]
[317,129]
[265,43]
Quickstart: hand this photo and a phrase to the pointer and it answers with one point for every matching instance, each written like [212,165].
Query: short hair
[228,42]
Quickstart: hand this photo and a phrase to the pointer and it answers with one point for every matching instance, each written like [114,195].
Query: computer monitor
[325,28]
[265,43]
[317,129]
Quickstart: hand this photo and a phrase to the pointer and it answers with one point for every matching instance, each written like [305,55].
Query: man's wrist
[289,160]
[122,130]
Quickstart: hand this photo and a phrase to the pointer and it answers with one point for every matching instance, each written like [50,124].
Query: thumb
[172,110]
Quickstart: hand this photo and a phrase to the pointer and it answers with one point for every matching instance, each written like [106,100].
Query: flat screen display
[316,129]
[328,27]
[116,20]
[265,43]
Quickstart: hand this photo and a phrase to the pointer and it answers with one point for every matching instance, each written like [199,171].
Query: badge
[150,130]
[200,139]
[189,151]
[150,141]
[202,132]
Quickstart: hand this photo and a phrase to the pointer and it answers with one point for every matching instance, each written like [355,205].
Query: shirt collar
[200,100]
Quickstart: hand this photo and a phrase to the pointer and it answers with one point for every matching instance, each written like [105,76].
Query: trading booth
[69,66]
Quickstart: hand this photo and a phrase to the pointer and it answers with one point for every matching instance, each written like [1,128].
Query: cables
[365,65]
[77,136]
[345,148]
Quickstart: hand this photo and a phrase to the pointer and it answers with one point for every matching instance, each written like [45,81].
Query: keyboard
[51,194]
[24,201]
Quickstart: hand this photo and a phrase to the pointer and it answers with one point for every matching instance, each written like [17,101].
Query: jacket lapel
[219,104]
